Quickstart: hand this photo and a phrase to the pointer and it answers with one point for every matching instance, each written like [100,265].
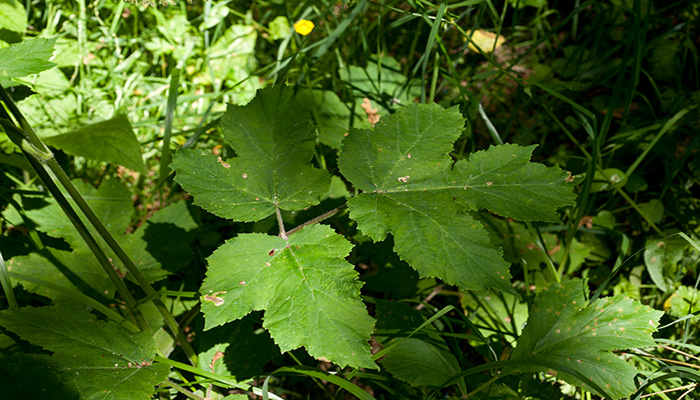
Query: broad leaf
[12,16]
[565,334]
[111,141]
[310,294]
[381,80]
[147,247]
[421,360]
[332,116]
[27,57]
[413,190]
[101,359]
[274,141]
[421,363]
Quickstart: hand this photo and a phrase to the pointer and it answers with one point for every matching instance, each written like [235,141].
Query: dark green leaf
[101,359]
[412,191]
[565,331]
[274,141]
[307,289]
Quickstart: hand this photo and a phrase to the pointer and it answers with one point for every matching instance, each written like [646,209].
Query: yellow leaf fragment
[485,41]
[303,27]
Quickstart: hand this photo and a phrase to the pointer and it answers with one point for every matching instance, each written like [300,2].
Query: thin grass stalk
[7,285]
[168,129]
[30,136]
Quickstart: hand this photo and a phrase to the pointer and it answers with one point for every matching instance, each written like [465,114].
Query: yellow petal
[485,40]
[303,27]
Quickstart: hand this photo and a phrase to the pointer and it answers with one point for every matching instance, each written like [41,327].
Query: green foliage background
[525,210]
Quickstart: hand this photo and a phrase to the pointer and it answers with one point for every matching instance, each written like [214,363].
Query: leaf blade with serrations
[102,359]
[568,333]
[274,141]
[307,289]
[413,191]
[111,141]
[30,56]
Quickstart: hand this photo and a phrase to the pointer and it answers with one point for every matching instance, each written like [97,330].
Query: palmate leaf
[310,294]
[101,359]
[274,141]
[413,190]
[566,334]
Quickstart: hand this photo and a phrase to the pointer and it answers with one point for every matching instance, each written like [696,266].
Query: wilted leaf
[486,41]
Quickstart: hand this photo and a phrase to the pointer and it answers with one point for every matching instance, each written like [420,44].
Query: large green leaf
[310,294]
[12,16]
[413,190]
[101,359]
[27,57]
[274,141]
[112,140]
[565,335]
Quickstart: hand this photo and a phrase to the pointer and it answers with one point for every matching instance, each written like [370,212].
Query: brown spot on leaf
[214,298]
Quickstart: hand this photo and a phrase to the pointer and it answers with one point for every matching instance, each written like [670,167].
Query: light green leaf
[567,333]
[307,289]
[685,301]
[412,191]
[103,360]
[30,56]
[279,28]
[608,179]
[661,259]
[274,141]
[12,16]
[112,141]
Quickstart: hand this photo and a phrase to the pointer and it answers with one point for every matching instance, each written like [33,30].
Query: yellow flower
[303,27]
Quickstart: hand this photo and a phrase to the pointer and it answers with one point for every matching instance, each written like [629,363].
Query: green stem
[123,257]
[30,136]
[7,285]
[317,219]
